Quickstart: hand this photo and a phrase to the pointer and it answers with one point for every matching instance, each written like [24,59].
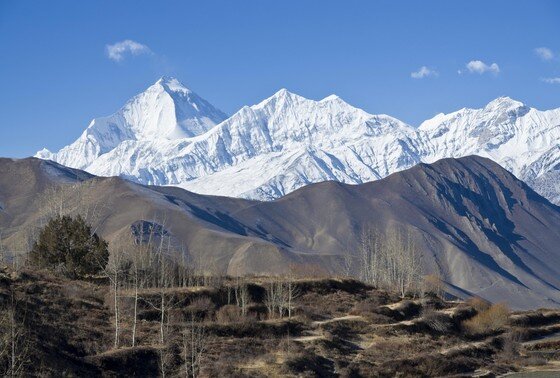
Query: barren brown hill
[486,232]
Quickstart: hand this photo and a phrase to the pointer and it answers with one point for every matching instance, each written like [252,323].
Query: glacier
[168,135]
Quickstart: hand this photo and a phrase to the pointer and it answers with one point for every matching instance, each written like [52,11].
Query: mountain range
[168,135]
[484,231]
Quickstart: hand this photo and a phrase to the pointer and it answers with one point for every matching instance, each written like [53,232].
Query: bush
[403,311]
[68,245]
[200,308]
[229,314]
[439,366]
[535,319]
[479,304]
[363,308]
[307,364]
[493,319]
[436,321]
[433,284]
[510,345]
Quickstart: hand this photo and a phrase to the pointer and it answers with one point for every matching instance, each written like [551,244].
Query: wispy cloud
[118,51]
[423,72]
[551,80]
[544,53]
[479,67]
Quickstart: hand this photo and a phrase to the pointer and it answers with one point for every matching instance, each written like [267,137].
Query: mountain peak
[166,79]
[171,84]
[283,92]
[504,103]
[281,97]
[167,110]
[332,97]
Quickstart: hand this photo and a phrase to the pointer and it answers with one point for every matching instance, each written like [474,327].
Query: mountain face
[165,111]
[483,230]
[521,139]
[170,136]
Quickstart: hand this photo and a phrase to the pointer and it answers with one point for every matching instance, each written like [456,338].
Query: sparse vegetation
[357,330]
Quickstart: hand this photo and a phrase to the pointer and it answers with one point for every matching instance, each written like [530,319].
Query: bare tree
[347,264]
[274,297]
[15,255]
[242,295]
[141,256]
[292,292]
[369,256]
[113,271]
[14,343]
[163,262]
[280,295]
[55,200]
[72,199]
[194,347]
[3,252]
[407,260]
[389,260]
[186,270]
[136,285]
[160,265]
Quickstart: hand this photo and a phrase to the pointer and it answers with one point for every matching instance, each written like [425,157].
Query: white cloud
[544,53]
[119,50]
[551,80]
[423,72]
[479,67]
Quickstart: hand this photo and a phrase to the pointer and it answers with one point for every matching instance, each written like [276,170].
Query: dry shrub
[510,345]
[305,363]
[522,334]
[463,312]
[220,368]
[363,308]
[493,319]
[200,307]
[289,347]
[439,366]
[375,318]
[479,304]
[310,313]
[229,314]
[407,310]
[535,319]
[436,321]
[347,329]
[533,361]
[432,283]
[545,345]
[369,304]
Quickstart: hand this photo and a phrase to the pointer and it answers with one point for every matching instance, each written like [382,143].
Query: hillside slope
[486,232]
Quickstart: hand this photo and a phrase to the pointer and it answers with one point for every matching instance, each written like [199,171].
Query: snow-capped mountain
[167,110]
[505,130]
[170,136]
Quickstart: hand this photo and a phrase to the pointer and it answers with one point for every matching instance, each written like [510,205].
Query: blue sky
[57,75]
